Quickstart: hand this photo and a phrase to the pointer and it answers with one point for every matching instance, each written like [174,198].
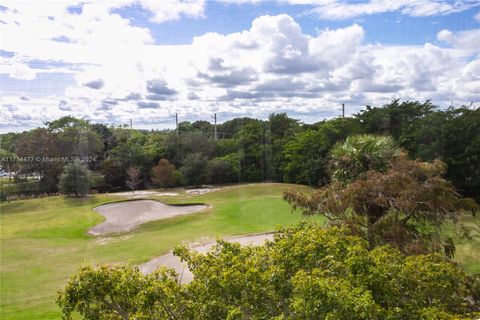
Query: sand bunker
[196,192]
[173,262]
[125,216]
[143,194]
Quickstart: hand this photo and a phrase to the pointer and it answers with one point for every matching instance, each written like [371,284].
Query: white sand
[125,216]
[143,193]
[194,192]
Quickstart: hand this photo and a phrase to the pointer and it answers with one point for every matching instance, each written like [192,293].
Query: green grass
[29,185]
[44,241]
[467,248]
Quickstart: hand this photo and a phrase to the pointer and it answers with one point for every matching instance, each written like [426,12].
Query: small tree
[75,179]
[133,178]
[163,174]
[399,206]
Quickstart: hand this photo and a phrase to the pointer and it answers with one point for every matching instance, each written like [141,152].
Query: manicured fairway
[43,241]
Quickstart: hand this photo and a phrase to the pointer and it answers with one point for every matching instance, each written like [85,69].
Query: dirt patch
[173,262]
[127,215]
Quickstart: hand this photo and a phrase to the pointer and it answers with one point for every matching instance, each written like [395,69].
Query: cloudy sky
[111,61]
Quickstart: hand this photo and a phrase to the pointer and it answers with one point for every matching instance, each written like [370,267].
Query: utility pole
[343,110]
[176,122]
[215,127]
[131,124]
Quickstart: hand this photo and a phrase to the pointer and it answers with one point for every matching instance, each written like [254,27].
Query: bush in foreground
[307,272]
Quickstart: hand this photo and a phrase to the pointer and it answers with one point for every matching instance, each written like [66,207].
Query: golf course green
[44,241]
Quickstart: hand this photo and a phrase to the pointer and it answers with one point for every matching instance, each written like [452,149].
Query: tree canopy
[278,148]
[306,272]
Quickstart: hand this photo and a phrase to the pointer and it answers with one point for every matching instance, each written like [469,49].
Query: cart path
[173,262]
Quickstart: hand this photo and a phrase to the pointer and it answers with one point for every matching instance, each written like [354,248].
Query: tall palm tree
[352,158]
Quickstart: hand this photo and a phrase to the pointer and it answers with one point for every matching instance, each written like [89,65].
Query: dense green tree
[452,135]
[121,293]
[282,130]
[131,150]
[106,135]
[113,173]
[229,128]
[178,147]
[63,123]
[77,138]
[254,152]
[394,118]
[306,272]
[42,146]
[222,171]
[7,141]
[184,127]
[203,126]
[195,170]
[307,155]
[75,179]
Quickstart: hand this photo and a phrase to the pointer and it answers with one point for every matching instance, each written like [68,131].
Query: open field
[45,240]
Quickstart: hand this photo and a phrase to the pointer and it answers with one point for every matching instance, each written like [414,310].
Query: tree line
[280,149]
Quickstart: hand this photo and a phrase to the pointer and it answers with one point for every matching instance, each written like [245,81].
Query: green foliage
[195,170]
[66,122]
[403,206]
[75,179]
[282,130]
[307,272]
[358,154]
[32,230]
[178,147]
[278,149]
[306,156]
[254,152]
[394,118]
[221,171]
[120,293]
[113,173]
[452,135]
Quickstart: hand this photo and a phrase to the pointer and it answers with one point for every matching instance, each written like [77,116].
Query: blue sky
[386,28]
[109,61]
